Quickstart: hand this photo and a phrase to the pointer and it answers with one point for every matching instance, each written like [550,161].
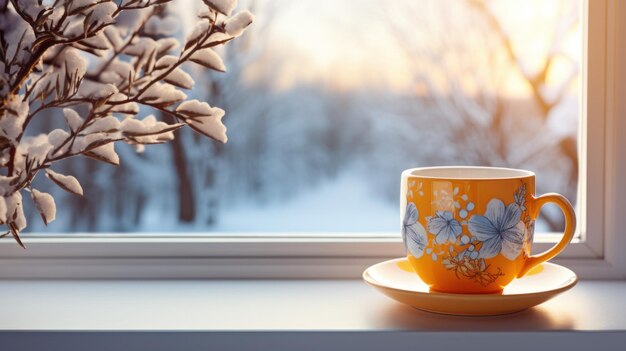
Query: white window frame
[598,253]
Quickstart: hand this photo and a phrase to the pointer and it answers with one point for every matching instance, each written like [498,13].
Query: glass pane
[327,102]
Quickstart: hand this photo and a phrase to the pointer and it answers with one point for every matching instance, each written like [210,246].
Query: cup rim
[480,173]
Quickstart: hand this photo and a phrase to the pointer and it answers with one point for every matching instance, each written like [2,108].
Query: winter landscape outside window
[328,101]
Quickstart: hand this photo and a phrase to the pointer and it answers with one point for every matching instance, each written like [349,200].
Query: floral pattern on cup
[444,226]
[501,229]
[413,232]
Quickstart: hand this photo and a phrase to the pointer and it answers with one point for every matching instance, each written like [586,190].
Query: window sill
[245,314]
[266,257]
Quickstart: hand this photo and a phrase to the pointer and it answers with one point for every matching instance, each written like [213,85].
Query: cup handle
[570,228]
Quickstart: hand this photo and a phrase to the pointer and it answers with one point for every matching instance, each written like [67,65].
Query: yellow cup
[470,229]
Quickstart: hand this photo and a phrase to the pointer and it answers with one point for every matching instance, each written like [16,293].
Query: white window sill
[264,257]
[282,314]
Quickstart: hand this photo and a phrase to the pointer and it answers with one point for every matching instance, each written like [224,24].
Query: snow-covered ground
[344,204]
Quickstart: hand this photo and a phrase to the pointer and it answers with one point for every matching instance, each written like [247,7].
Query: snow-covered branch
[44,65]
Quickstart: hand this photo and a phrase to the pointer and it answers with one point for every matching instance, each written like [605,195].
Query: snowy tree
[459,75]
[98,62]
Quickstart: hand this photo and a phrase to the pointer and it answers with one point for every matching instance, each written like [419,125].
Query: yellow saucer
[396,279]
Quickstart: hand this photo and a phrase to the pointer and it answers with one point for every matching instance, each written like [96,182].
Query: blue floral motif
[413,232]
[444,226]
[500,230]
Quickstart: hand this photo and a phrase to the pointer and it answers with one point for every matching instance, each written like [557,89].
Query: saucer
[396,279]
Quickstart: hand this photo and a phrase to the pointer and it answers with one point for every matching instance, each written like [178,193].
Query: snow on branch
[73,56]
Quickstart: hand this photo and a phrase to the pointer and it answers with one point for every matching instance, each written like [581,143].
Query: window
[325,110]
[361,110]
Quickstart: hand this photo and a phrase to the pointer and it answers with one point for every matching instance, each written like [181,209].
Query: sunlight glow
[362,43]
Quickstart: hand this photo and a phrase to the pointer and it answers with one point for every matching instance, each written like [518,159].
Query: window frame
[595,254]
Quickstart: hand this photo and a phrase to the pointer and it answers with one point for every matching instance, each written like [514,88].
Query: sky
[353,43]
[349,44]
